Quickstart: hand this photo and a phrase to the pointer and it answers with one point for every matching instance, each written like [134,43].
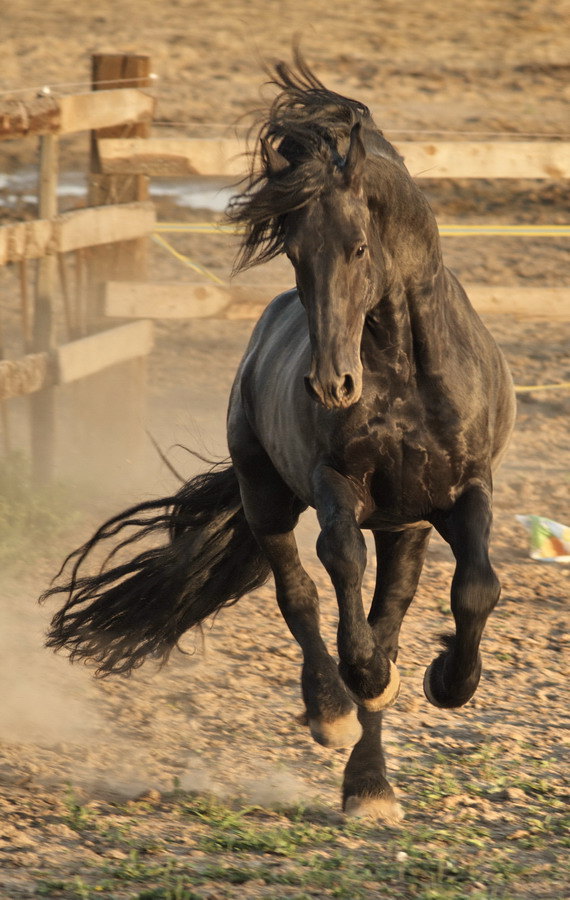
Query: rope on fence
[59,86]
[526,389]
[444,230]
[196,267]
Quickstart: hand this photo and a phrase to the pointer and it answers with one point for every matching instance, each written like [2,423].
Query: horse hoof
[381,809]
[439,694]
[388,696]
[339,734]
[427,688]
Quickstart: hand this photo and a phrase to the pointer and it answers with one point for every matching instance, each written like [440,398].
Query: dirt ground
[104,787]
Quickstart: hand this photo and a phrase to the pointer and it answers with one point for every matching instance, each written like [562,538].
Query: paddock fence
[106,244]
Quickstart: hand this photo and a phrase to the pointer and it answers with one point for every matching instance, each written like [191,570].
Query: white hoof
[343,732]
[382,809]
[388,696]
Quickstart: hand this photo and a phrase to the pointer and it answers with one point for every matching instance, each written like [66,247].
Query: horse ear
[274,161]
[354,162]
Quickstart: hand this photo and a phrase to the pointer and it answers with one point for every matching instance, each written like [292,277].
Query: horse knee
[342,550]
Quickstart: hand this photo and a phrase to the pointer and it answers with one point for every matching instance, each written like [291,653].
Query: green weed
[78,816]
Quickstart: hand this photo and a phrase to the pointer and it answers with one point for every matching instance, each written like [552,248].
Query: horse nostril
[347,387]
[310,389]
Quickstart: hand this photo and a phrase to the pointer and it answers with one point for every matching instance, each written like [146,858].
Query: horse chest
[404,470]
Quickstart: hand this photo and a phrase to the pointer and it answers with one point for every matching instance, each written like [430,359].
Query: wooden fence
[109,238]
[90,234]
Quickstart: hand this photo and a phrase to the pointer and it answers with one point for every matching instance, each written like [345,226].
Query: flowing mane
[307,131]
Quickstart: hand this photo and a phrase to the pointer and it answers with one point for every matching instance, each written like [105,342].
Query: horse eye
[361,250]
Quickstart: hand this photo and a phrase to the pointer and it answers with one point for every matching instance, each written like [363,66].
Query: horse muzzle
[334,392]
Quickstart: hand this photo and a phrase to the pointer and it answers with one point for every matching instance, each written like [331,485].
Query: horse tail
[208,559]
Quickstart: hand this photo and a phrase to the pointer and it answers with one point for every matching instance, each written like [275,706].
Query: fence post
[42,403]
[126,260]
[111,448]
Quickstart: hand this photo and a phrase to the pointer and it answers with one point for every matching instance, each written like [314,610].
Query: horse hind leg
[272,511]
[452,678]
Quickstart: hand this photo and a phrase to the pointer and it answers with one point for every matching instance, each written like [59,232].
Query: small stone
[510,793]
[151,795]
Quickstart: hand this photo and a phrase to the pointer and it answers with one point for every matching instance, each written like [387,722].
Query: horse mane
[308,128]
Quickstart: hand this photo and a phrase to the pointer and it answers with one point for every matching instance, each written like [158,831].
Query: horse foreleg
[366,669]
[330,713]
[400,557]
[366,791]
[452,678]
[272,511]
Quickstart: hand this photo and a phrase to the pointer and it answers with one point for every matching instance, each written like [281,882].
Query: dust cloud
[42,700]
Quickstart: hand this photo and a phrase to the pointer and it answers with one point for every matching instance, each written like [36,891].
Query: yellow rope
[445,230]
[523,389]
[196,267]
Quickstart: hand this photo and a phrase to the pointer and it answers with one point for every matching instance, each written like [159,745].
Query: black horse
[372,392]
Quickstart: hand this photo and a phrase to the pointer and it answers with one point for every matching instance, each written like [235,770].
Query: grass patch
[193,846]
[234,851]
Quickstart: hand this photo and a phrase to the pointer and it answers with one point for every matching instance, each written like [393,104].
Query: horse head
[329,242]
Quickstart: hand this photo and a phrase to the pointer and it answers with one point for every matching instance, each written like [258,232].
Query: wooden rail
[26,375]
[95,352]
[75,360]
[74,113]
[448,159]
[187,300]
[75,230]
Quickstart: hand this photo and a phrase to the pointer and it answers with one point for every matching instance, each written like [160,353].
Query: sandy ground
[222,719]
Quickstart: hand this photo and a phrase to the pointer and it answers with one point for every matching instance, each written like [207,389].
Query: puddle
[188,193]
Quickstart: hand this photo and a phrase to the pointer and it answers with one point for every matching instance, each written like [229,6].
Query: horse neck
[410,321]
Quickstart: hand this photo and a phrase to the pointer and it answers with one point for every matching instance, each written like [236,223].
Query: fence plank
[39,115]
[494,159]
[99,351]
[74,230]
[77,112]
[103,109]
[103,225]
[173,156]
[188,300]
[447,159]
[74,360]
[525,302]
[25,240]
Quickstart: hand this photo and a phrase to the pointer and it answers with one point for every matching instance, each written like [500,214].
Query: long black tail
[209,559]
